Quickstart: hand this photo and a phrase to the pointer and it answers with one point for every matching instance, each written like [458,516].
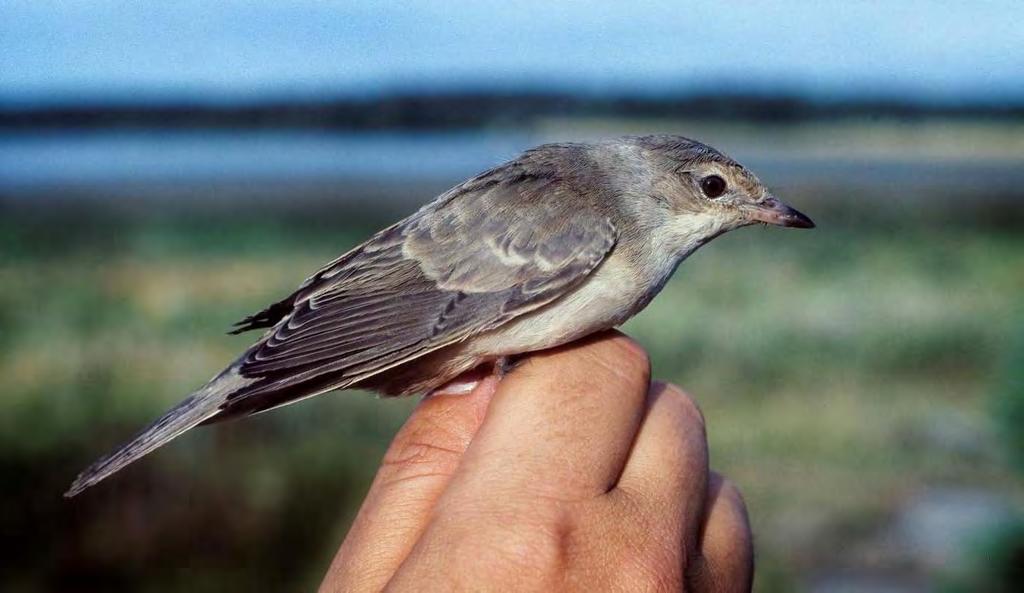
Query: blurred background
[168,168]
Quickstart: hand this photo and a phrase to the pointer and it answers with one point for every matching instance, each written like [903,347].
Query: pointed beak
[775,211]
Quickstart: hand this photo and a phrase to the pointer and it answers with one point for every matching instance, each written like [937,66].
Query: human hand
[573,472]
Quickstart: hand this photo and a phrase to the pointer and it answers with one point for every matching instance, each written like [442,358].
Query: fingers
[561,425]
[726,561]
[666,481]
[415,471]
[667,472]
[484,484]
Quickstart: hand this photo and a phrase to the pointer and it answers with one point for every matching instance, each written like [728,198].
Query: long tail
[201,405]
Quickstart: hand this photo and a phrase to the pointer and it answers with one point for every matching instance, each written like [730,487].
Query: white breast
[614,292]
[606,299]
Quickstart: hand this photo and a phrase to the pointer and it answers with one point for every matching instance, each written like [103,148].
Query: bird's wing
[465,264]
[492,249]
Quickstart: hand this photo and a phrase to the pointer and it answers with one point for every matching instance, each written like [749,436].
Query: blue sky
[101,49]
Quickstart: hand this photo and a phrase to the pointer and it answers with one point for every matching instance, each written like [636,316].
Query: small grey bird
[561,242]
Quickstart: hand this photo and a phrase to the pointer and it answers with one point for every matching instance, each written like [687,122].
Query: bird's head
[701,186]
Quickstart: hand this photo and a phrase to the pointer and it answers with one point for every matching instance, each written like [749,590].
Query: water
[37,159]
[33,162]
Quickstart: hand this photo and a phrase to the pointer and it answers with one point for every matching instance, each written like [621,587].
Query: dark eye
[712,186]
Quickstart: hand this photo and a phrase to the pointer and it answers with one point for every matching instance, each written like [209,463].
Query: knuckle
[537,545]
[625,359]
[698,572]
[607,359]
[650,572]
[414,456]
[731,496]
[633,354]
[730,493]
[684,407]
[632,549]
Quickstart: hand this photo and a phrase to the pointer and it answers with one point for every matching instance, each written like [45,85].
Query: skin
[572,473]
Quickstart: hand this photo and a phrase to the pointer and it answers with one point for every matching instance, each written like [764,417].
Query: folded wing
[502,244]
[467,263]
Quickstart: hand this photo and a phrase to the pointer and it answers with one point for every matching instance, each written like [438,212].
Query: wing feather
[467,263]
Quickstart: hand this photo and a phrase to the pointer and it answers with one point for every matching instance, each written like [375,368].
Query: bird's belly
[605,300]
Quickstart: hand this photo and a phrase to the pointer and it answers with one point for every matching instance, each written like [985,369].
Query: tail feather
[199,406]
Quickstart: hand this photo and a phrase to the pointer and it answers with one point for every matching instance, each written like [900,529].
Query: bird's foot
[505,365]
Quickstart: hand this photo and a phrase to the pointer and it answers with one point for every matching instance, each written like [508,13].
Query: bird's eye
[712,186]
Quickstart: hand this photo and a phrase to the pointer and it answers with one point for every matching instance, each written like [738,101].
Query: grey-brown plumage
[565,240]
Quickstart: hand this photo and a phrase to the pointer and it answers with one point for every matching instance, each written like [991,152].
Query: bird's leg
[505,365]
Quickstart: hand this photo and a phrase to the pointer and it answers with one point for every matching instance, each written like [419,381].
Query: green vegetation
[824,361]
[1008,403]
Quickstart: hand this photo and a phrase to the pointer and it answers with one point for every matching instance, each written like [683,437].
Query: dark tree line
[467,110]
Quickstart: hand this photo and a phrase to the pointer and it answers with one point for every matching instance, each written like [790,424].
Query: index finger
[413,474]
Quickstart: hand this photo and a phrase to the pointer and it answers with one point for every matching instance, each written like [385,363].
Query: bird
[565,240]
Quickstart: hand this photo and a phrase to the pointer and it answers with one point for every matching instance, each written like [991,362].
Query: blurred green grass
[823,361]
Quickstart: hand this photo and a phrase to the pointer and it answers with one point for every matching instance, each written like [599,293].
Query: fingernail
[460,386]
